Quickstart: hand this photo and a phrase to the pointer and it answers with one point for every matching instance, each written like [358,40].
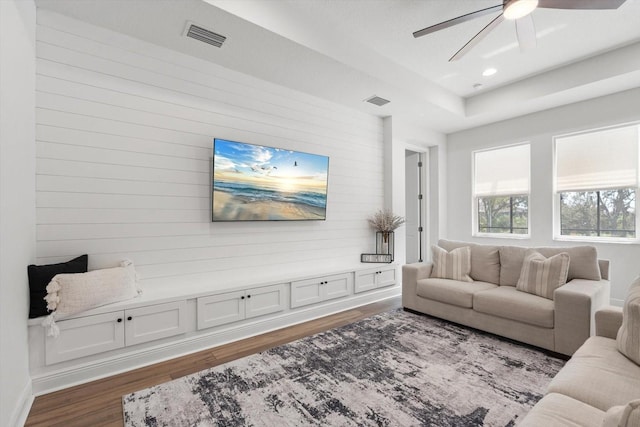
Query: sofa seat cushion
[557,410]
[509,303]
[598,375]
[451,292]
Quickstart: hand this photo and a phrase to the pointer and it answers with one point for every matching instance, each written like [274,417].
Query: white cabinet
[154,322]
[374,278]
[231,307]
[89,335]
[311,291]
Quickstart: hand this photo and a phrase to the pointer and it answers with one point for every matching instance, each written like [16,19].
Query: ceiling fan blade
[456,21]
[476,39]
[584,4]
[526,32]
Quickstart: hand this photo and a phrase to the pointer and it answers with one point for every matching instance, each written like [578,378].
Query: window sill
[609,240]
[503,236]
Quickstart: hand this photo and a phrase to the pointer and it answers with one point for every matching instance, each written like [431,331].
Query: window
[596,181]
[501,190]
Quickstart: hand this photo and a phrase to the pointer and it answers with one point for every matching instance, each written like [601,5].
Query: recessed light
[516,9]
[489,72]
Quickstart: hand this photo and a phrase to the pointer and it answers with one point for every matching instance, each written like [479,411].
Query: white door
[155,322]
[219,309]
[265,300]
[85,336]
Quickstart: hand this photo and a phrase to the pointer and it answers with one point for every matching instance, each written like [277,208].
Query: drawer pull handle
[248,296]
[242,297]
[119,320]
[129,318]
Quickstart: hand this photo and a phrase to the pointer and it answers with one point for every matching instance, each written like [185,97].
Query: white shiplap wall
[124,149]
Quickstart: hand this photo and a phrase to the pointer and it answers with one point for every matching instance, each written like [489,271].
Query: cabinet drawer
[155,322]
[387,278]
[337,286]
[219,309]
[265,300]
[373,278]
[365,281]
[305,292]
[85,336]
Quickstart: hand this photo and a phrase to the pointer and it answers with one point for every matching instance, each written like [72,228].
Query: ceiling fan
[520,11]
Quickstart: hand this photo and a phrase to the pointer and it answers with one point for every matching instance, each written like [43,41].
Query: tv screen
[258,183]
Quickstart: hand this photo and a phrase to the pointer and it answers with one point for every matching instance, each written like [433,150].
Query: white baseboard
[21,411]
[82,373]
[617,302]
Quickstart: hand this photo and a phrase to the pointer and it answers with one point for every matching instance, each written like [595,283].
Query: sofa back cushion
[542,276]
[485,260]
[628,339]
[453,265]
[583,262]
[511,259]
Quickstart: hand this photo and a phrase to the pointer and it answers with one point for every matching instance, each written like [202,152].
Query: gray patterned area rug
[393,369]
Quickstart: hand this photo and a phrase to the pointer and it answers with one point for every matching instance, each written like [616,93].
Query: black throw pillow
[41,275]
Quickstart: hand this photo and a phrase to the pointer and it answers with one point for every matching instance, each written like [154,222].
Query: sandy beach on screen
[227,207]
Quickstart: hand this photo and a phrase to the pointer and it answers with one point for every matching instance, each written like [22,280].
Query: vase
[384,243]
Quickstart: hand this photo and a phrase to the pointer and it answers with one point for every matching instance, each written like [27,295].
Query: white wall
[538,129]
[124,150]
[17,202]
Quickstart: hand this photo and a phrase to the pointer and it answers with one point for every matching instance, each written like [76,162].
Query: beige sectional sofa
[492,303]
[598,387]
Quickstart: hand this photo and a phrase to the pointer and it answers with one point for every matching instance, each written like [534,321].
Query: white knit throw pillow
[454,265]
[69,294]
[628,339]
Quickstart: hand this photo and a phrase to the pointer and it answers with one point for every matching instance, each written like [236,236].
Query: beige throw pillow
[542,276]
[628,339]
[455,265]
[623,416]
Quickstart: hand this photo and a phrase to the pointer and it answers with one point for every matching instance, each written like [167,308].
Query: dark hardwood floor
[98,403]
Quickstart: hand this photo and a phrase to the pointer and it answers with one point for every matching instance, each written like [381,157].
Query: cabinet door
[155,322]
[386,277]
[305,292]
[337,286]
[264,300]
[219,309]
[85,336]
[365,280]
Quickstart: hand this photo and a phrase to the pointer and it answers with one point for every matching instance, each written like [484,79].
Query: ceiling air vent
[376,100]
[204,35]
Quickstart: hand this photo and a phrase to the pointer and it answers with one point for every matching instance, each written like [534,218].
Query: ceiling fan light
[516,9]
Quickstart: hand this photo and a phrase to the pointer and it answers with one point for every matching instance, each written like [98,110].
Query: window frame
[475,223]
[557,214]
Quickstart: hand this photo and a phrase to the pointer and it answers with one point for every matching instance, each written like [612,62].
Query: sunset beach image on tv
[258,183]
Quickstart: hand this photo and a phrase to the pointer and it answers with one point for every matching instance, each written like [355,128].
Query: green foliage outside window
[503,214]
[604,213]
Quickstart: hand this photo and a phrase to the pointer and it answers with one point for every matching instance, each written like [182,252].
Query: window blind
[600,160]
[502,171]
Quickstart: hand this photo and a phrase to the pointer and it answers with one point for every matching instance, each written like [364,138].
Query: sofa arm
[608,321]
[576,304]
[411,273]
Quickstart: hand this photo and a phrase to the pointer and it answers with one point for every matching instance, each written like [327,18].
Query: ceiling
[348,50]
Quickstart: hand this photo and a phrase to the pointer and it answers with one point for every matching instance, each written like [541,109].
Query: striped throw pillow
[623,415]
[542,276]
[628,339]
[455,265]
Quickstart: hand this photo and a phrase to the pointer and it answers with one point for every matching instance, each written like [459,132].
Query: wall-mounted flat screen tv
[258,183]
